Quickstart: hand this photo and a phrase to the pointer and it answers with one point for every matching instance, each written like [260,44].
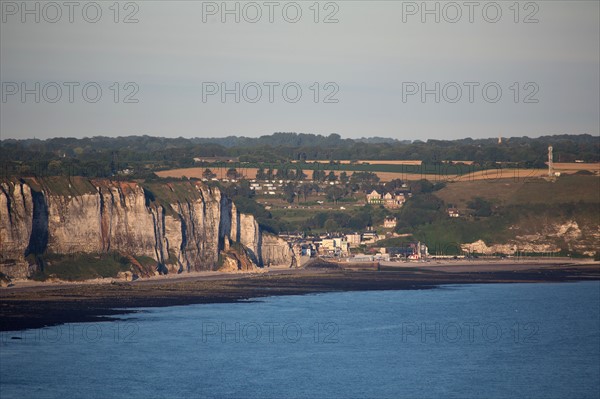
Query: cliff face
[182,226]
[16,223]
[275,252]
[554,237]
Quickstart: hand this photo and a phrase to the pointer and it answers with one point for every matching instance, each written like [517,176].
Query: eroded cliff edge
[183,226]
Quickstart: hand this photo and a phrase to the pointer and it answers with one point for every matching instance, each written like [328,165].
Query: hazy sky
[374,61]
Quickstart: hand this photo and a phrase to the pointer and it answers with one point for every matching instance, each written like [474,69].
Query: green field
[296,218]
[534,208]
[524,191]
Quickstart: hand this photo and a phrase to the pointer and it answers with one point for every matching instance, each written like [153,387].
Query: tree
[55,167]
[343,178]
[306,189]
[240,189]
[289,192]
[331,225]
[394,185]
[364,180]
[360,219]
[480,206]
[318,175]
[335,193]
[331,176]
[232,174]
[300,175]
[420,210]
[260,174]
[208,174]
[422,186]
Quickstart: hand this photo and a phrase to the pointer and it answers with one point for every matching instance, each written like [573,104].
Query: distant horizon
[298,133]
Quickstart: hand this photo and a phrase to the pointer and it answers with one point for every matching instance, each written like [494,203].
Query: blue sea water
[471,341]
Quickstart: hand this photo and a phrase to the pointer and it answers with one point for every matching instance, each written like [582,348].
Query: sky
[406,70]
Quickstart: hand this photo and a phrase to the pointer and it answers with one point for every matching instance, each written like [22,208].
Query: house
[369,237]
[389,200]
[409,250]
[453,213]
[361,258]
[334,246]
[304,249]
[393,201]
[390,222]
[374,198]
[217,159]
[353,239]
[382,257]
[291,236]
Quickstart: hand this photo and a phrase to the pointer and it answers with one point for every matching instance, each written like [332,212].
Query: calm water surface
[472,341]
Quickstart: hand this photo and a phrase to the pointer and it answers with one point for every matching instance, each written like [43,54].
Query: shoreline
[453,265]
[41,305]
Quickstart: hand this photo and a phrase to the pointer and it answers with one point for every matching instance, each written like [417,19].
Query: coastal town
[355,247]
[299,199]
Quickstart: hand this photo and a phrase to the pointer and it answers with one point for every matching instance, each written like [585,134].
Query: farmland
[439,172]
[523,191]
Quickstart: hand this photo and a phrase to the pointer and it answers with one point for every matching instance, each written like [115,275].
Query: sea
[458,341]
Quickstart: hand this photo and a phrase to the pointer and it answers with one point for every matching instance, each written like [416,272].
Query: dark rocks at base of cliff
[235,258]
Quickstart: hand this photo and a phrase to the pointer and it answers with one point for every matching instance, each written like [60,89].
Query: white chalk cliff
[183,226]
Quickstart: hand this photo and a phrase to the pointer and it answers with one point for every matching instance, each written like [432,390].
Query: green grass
[521,207]
[395,241]
[62,185]
[523,191]
[297,217]
[565,189]
[145,260]
[147,263]
[445,235]
[79,266]
[169,193]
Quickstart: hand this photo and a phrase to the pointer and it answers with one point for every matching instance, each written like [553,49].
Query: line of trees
[101,155]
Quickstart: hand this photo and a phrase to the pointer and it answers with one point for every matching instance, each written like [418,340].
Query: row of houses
[388,200]
[410,251]
[272,187]
[340,247]
[329,245]
[268,187]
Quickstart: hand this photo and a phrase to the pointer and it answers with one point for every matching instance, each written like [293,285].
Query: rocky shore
[35,306]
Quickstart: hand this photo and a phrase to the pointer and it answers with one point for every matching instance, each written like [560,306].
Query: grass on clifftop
[62,185]
[565,189]
[167,193]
